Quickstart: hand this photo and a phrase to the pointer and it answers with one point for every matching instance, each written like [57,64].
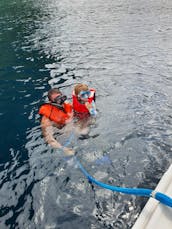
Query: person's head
[55,96]
[82,91]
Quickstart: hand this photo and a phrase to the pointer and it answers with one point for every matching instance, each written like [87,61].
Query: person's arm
[48,133]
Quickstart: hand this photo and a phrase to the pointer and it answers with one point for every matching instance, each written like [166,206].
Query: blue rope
[164,199]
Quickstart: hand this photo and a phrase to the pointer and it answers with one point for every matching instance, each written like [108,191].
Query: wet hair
[53,91]
[80,87]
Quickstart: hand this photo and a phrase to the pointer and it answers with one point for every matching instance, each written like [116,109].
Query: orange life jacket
[80,109]
[55,114]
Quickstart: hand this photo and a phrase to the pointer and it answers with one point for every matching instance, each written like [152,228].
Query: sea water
[122,49]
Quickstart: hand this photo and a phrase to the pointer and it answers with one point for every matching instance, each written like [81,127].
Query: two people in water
[59,113]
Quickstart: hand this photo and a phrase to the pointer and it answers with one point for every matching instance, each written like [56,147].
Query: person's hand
[92,108]
[68,151]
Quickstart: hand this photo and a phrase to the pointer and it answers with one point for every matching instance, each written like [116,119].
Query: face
[54,95]
[59,99]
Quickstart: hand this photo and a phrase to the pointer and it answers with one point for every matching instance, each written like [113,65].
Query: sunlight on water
[124,50]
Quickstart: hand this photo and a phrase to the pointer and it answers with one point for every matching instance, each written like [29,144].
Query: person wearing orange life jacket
[84,106]
[56,113]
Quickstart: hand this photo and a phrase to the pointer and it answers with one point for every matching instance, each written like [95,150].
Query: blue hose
[164,199]
[131,191]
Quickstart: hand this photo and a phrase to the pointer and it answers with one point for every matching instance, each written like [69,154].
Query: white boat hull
[155,214]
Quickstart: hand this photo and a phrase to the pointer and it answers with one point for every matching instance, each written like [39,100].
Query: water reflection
[124,51]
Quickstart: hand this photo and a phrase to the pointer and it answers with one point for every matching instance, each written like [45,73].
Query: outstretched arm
[48,133]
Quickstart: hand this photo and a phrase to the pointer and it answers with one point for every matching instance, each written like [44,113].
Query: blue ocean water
[123,49]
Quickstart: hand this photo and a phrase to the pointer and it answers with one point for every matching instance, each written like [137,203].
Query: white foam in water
[39,216]
[78,209]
